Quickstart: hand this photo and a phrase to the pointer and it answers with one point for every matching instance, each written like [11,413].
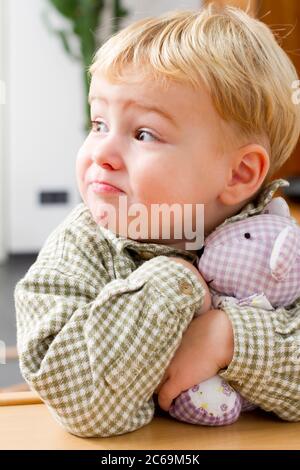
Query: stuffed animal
[254,262]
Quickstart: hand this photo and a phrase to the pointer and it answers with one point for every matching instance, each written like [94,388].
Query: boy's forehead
[128,86]
[168,95]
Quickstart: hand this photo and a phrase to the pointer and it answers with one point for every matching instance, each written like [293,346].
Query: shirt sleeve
[95,355]
[265,367]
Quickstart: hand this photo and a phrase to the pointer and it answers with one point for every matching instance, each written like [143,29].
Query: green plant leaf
[85,17]
[67,8]
[64,35]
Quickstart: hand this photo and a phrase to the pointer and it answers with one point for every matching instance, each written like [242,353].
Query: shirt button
[185,287]
[146,255]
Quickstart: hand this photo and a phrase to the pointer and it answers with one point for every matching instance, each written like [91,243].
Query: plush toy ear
[285,250]
[278,206]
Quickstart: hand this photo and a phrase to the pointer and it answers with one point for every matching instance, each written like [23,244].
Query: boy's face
[170,154]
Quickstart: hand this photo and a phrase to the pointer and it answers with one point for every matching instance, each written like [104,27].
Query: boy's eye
[142,134]
[145,133]
[96,125]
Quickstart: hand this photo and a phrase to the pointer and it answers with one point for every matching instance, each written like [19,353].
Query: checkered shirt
[99,318]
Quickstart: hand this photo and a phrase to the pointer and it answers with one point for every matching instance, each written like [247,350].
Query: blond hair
[237,57]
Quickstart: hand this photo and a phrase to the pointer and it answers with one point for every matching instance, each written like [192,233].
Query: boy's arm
[95,354]
[260,348]
[265,367]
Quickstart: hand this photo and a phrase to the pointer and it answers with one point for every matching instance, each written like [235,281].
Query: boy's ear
[248,169]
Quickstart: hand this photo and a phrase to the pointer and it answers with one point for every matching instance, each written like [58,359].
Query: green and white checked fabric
[100,316]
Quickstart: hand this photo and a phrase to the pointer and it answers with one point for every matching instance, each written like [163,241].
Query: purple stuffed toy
[254,262]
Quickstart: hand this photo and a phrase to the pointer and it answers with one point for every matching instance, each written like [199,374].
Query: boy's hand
[206,347]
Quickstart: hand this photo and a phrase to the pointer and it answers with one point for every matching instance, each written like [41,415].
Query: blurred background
[45,49]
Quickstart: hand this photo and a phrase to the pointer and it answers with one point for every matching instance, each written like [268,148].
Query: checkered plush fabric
[99,318]
[210,403]
[185,411]
[240,267]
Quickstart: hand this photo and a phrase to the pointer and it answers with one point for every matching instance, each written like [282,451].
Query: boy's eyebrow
[152,108]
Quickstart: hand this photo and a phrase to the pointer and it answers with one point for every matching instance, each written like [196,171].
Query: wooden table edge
[19,398]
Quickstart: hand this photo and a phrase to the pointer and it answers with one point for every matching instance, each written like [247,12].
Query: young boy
[188,108]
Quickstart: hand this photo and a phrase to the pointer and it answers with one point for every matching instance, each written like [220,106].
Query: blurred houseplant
[85,18]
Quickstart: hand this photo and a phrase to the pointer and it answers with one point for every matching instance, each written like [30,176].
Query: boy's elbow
[100,430]
[86,422]
[99,420]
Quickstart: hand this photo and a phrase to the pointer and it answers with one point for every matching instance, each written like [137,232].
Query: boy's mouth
[101,187]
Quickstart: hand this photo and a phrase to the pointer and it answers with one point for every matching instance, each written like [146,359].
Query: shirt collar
[145,250]
[259,203]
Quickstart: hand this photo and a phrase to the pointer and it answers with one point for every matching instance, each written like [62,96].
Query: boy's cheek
[81,176]
[82,154]
[83,162]
[143,184]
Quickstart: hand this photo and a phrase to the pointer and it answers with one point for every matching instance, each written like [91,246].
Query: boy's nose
[108,157]
[107,166]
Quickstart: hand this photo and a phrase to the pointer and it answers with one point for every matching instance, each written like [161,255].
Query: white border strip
[3,163]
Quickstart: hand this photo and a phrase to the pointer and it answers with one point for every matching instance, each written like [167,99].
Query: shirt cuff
[252,363]
[172,280]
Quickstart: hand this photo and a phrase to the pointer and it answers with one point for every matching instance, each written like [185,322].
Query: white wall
[44,118]
[142,8]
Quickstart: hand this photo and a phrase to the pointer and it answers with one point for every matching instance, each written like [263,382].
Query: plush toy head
[260,254]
